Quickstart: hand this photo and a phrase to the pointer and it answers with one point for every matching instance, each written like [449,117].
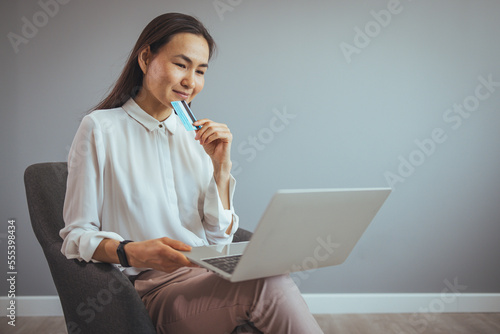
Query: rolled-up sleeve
[84,194]
[216,219]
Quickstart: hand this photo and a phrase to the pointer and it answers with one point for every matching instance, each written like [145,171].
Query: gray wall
[385,111]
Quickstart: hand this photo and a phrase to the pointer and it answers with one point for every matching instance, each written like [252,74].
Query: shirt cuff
[81,244]
[216,218]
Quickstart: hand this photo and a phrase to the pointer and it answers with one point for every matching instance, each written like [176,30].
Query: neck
[152,106]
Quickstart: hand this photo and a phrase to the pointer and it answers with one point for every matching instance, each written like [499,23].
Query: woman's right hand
[160,254]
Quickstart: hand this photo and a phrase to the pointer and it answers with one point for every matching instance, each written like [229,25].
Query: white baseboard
[402,303]
[349,303]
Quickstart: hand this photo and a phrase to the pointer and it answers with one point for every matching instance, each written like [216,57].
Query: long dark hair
[156,34]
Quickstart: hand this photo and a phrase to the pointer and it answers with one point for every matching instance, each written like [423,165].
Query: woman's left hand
[216,140]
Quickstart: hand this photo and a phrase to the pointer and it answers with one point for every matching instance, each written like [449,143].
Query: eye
[180,65]
[200,72]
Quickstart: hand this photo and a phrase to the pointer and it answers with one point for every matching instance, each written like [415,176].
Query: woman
[136,174]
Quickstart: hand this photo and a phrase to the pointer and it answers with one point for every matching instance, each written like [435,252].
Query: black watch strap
[121,253]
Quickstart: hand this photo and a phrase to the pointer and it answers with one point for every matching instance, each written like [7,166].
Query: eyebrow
[186,58]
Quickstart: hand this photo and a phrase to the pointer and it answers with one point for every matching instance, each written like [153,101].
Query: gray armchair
[95,297]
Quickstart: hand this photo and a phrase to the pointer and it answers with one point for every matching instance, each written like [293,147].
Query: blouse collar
[148,121]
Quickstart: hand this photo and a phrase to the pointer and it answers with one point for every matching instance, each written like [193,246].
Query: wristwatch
[121,253]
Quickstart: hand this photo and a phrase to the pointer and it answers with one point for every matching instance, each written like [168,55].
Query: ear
[144,58]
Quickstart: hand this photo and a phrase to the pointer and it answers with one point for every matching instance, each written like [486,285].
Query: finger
[201,121]
[214,131]
[176,244]
[191,264]
[172,251]
[205,124]
[174,257]
[209,137]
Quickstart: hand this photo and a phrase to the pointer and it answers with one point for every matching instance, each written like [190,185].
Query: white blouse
[133,177]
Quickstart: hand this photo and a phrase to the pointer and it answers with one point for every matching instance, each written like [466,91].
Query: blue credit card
[185,114]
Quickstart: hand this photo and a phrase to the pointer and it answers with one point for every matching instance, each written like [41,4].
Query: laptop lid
[308,229]
[300,230]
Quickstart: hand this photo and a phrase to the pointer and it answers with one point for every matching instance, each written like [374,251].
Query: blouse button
[161,125]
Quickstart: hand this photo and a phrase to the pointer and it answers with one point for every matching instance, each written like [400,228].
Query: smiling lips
[182,94]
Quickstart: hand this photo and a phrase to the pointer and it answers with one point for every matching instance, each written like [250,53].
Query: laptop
[299,230]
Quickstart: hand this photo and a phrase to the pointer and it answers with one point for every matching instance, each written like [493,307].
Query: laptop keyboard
[225,263]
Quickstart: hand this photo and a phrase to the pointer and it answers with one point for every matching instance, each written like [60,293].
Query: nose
[188,80]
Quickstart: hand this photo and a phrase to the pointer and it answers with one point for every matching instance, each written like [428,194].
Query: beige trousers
[195,300]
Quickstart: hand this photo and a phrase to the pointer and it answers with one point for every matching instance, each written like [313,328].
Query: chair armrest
[242,235]
[97,297]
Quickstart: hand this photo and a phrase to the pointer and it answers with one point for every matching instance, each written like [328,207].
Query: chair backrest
[95,297]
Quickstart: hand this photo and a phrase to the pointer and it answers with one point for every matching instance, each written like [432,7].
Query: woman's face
[175,73]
